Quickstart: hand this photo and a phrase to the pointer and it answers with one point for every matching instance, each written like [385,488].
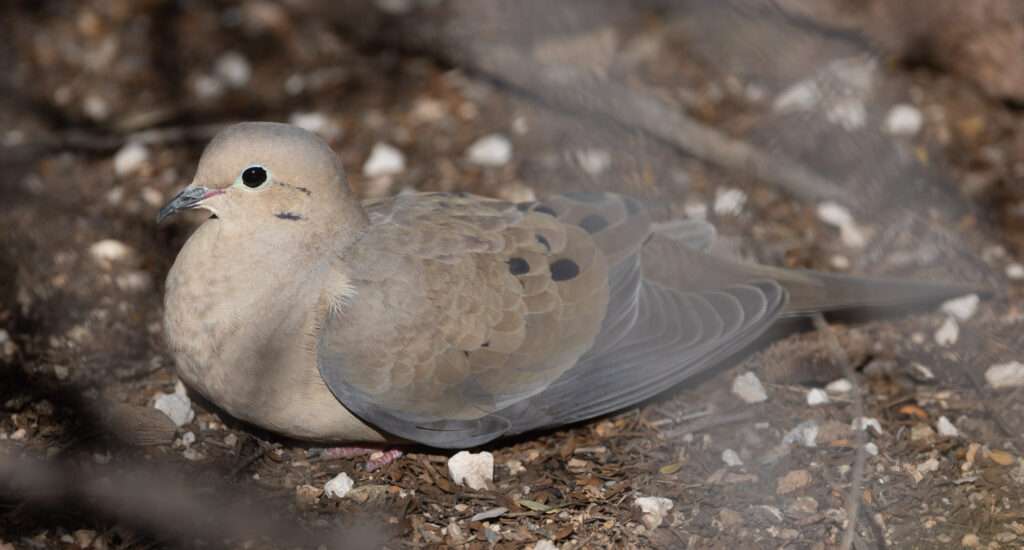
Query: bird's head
[269,177]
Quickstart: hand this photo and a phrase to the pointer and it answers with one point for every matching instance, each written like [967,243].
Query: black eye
[254,176]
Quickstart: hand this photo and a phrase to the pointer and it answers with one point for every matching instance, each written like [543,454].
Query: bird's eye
[254,176]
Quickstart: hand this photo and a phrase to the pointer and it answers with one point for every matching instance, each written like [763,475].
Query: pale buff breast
[245,334]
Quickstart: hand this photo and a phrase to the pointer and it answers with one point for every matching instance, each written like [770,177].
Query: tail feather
[687,269]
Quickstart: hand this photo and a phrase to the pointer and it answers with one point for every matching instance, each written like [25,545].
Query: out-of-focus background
[863,137]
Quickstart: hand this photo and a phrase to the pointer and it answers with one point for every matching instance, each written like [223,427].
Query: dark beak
[188,198]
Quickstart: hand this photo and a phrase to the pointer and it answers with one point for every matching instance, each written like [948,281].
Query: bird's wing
[472,318]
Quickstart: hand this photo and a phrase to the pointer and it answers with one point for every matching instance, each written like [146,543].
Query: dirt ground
[105,108]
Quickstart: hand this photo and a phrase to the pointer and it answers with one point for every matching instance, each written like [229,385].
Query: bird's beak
[190,197]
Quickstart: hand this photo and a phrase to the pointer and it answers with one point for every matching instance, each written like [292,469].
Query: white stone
[729,202]
[730,458]
[839,385]
[339,486]
[474,470]
[1005,375]
[544,544]
[850,113]
[948,333]
[176,406]
[946,428]
[748,388]
[696,210]
[490,150]
[840,262]
[804,433]
[839,216]
[206,87]
[111,250]
[903,120]
[318,123]
[801,96]
[384,160]
[1015,271]
[135,281]
[817,396]
[928,466]
[863,423]
[871,448]
[130,159]
[594,161]
[233,69]
[963,308]
[654,505]
[187,439]
[923,372]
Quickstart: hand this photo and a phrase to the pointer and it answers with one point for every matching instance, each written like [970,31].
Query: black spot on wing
[593,223]
[518,266]
[545,210]
[543,241]
[291,216]
[564,269]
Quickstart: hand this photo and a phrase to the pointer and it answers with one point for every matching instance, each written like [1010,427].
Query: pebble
[654,509]
[948,333]
[187,439]
[544,544]
[804,433]
[474,470]
[136,280]
[695,210]
[839,216]
[339,486]
[970,540]
[922,372]
[729,202]
[7,346]
[490,150]
[515,467]
[871,448]
[130,159]
[111,250]
[206,87]
[384,160]
[839,385]
[306,496]
[903,120]
[817,396]
[1005,375]
[233,69]
[176,406]
[748,388]
[963,308]
[946,428]
[85,537]
[1015,271]
[863,423]
[318,123]
[730,458]
[594,161]
[928,466]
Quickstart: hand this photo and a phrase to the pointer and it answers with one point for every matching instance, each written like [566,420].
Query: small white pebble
[839,216]
[748,388]
[804,433]
[948,333]
[903,120]
[111,250]
[863,423]
[963,308]
[840,262]
[817,396]
[730,458]
[384,160]
[696,210]
[206,87]
[729,202]
[654,505]
[801,96]
[490,150]
[928,466]
[233,69]
[871,448]
[318,123]
[187,439]
[339,486]
[543,544]
[1005,375]
[946,428]
[474,470]
[130,159]
[515,467]
[839,385]
[176,406]
[923,372]
[850,113]
[1015,271]
[594,161]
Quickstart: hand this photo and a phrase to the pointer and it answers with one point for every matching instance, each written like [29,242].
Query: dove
[448,319]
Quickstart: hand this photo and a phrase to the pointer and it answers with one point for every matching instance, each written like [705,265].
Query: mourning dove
[449,319]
